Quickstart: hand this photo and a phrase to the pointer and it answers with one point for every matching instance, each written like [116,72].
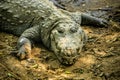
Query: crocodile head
[67,40]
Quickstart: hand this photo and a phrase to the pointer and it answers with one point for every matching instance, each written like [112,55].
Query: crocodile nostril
[68,61]
[78,51]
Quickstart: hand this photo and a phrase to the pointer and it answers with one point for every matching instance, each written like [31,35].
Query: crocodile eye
[61,30]
[73,29]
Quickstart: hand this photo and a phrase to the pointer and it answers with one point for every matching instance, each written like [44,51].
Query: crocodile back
[18,15]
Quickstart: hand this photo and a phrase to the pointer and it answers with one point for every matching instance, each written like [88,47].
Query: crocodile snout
[68,54]
[67,40]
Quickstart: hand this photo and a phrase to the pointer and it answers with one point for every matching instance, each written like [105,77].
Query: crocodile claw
[104,23]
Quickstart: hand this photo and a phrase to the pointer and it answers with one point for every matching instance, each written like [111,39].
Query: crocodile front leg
[26,41]
[24,47]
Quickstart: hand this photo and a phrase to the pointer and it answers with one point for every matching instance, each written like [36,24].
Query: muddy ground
[99,59]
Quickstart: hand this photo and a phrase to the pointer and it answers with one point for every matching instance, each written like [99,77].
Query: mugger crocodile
[40,21]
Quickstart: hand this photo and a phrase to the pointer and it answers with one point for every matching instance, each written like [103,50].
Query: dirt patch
[99,59]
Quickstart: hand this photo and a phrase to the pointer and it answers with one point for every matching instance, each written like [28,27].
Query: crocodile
[36,21]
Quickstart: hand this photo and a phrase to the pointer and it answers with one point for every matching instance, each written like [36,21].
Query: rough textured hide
[40,20]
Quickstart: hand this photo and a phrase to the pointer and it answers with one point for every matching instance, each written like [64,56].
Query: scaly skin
[40,20]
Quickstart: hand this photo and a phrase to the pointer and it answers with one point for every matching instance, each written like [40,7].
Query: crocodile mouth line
[64,59]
